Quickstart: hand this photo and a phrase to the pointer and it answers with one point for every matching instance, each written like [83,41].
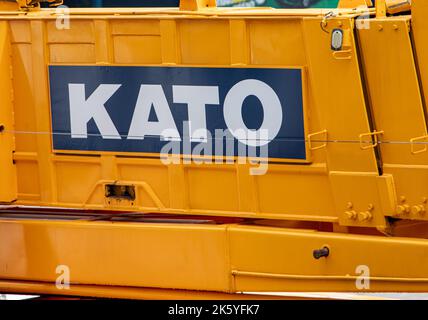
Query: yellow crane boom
[319,182]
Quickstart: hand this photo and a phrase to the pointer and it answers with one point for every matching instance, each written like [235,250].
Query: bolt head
[365,216]
[418,209]
[351,215]
[403,209]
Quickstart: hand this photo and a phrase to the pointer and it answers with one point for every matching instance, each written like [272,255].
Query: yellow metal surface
[9,5]
[8,187]
[223,258]
[381,9]
[395,6]
[398,110]
[91,291]
[251,38]
[419,30]
[365,128]
[196,4]
[354,3]
[225,38]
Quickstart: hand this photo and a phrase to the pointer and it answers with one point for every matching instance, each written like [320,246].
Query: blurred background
[220,3]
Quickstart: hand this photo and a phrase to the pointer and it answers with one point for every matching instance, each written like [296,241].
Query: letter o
[272,111]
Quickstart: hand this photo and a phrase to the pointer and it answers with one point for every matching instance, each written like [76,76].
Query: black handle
[320,253]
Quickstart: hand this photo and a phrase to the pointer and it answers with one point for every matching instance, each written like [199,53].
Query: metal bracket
[418,140]
[310,142]
[375,141]
[380,8]
[342,54]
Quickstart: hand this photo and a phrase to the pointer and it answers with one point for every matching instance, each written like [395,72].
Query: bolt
[370,207]
[365,216]
[402,199]
[380,27]
[349,205]
[352,215]
[418,209]
[320,253]
[403,209]
[395,27]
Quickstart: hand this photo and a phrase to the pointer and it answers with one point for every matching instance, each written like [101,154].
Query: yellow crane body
[352,178]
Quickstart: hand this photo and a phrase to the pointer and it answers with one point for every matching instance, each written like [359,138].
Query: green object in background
[326,4]
[279,3]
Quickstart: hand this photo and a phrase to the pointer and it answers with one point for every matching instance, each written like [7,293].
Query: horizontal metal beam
[228,258]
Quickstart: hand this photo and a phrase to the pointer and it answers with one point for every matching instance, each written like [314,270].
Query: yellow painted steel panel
[22,82]
[222,258]
[338,96]
[133,49]
[72,53]
[397,107]
[335,112]
[419,31]
[273,48]
[293,267]
[121,254]
[133,27]
[81,32]
[357,100]
[8,186]
[195,49]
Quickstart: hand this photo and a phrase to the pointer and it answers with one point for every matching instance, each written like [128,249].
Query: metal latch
[341,44]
